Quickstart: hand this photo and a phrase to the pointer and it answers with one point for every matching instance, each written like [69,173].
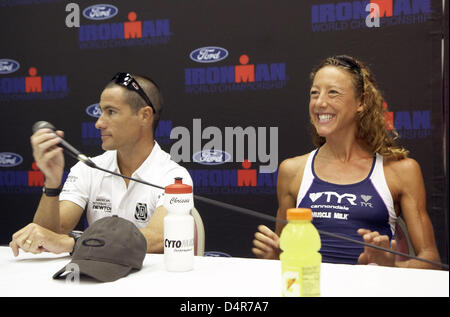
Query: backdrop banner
[235,79]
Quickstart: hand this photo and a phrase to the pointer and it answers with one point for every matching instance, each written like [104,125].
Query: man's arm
[47,214]
[59,217]
[154,231]
[50,160]
[53,219]
[37,238]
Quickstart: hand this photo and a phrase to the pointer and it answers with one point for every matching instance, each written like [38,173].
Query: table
[31,275]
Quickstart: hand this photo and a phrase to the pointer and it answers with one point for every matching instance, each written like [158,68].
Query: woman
[357,182]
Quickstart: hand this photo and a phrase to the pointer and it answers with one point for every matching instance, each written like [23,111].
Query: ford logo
[8,66]
[211,157]
[8,159]
[100,12]
[209,54]
[94,110]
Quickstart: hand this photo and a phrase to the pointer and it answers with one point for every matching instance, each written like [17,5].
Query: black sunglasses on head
[127,81]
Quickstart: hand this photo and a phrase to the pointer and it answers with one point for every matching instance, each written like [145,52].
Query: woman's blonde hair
[371,122]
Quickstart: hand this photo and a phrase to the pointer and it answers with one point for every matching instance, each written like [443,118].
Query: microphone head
[42,125]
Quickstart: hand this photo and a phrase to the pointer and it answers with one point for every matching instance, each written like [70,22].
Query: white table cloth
[31,275]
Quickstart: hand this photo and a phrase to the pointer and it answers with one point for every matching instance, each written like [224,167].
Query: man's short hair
[136,102]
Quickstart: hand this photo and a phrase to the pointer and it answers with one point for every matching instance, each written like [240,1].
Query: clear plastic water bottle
[178,227]
[300,259]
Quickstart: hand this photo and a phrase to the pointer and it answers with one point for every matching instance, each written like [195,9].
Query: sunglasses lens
[121,78]
[125,79]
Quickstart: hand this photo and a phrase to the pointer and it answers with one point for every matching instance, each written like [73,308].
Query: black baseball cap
[109,249]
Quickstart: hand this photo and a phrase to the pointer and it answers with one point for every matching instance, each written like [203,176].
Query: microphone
[83,158]
[64,144]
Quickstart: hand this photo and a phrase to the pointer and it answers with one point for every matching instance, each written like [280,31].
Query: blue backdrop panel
[246,96]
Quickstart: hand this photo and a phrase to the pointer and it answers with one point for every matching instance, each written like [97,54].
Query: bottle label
[178,246]
[301,282]
[178,242]
[178,234]
[179,204]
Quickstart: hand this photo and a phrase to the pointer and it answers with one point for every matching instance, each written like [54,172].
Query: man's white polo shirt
[104,195]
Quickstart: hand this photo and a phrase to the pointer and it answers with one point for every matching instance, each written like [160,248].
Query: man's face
[119,125]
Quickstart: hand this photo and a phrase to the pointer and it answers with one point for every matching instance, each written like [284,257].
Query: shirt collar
[143,170]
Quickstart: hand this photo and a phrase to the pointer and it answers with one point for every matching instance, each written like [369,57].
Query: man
[131,107]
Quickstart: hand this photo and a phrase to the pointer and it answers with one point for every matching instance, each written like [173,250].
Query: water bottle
[300,259]
[178,227]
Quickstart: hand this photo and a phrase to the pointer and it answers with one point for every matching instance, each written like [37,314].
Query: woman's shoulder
[293,167]
[401,166]
[294,163]
[402,174]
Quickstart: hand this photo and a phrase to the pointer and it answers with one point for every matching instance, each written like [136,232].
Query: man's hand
[48,156]
[36,239]
[266,244]
[371,255]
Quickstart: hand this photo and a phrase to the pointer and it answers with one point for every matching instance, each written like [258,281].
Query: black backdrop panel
[250,101]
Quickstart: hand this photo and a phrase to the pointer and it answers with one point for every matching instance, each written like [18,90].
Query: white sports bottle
[178,227]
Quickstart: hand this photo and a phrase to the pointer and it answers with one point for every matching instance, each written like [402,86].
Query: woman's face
[333,103]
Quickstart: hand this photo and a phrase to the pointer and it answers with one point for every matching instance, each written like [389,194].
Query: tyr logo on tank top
[335,201]
[343,209]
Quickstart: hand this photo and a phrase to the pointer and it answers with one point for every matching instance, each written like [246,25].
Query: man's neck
[130,160]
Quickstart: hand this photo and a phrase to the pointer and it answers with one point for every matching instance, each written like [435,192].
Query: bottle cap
[299,214]
[178,187]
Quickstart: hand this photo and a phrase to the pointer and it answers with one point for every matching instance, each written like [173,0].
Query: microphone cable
[83,158]
[264,216]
